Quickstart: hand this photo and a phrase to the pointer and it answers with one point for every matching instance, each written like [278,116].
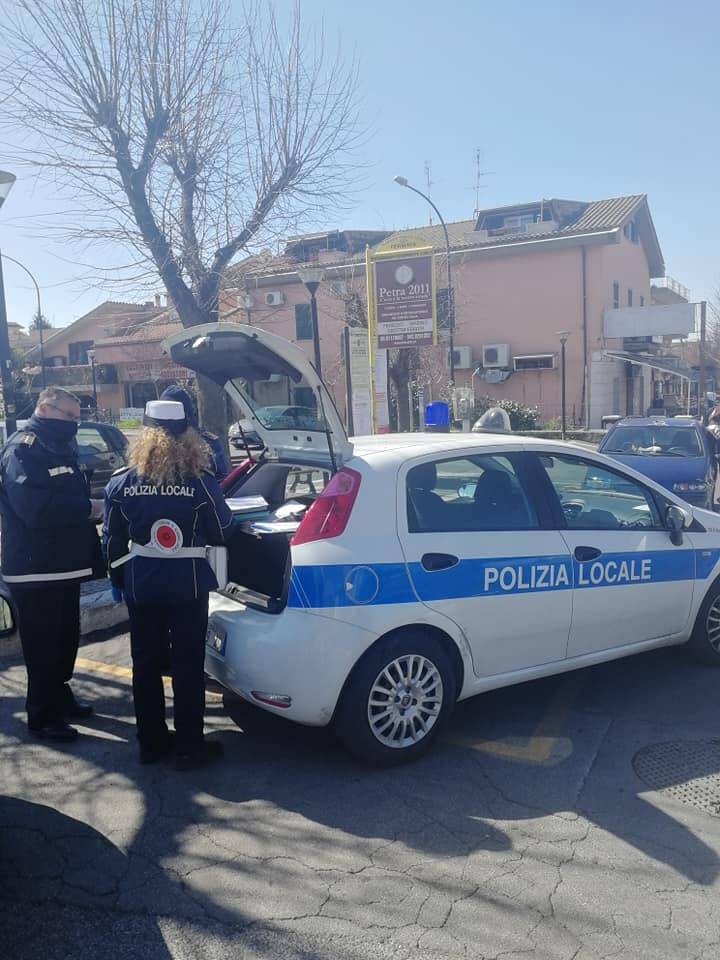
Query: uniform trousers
[49,622]
[152,628]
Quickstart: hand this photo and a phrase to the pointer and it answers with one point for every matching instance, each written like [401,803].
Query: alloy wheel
[406,699]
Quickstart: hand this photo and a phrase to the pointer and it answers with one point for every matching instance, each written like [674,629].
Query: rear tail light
[329,514]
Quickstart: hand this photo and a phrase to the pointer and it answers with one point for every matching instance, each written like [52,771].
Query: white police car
[434,567]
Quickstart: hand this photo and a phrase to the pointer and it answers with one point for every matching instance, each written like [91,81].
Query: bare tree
[185,133]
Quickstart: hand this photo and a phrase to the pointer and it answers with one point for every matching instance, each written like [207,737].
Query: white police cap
[168,414]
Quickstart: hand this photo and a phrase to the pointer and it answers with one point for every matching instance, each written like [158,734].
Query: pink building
[520,275]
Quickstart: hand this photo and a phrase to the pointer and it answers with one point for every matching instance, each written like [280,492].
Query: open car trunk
[258,558]
[280,394]
[258,569]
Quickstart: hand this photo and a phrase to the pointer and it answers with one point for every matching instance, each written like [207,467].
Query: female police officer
[160,514]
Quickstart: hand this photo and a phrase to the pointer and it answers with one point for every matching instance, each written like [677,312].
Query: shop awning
[665,364]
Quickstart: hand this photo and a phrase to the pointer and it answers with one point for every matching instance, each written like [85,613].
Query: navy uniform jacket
[45,502]
[220,463]
[133,505]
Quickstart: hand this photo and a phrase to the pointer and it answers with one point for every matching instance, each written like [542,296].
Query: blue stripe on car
[351,585]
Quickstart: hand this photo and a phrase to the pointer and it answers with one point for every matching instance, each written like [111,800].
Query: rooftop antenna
[429,185]
[479,174]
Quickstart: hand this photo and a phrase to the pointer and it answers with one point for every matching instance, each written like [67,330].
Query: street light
[6,184]
[91,358]
[39,314]
[403,182]
[563,334]
[6,375]
[312,277]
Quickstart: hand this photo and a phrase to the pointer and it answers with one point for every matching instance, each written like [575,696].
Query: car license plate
[216,639]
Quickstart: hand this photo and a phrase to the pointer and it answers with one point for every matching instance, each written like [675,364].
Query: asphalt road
[548,823]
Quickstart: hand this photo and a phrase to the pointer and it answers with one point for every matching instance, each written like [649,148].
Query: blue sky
[564,99]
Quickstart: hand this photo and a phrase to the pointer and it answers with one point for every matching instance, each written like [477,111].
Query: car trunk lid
[274,385]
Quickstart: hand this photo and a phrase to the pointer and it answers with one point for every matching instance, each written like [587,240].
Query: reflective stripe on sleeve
[47,577]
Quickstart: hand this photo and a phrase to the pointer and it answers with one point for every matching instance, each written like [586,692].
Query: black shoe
[155,753]
[78,711]
[60,732]
[199,756]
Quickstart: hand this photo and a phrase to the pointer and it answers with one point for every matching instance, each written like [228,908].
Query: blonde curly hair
[162,458]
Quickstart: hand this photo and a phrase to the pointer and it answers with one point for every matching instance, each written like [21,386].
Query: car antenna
[328,434]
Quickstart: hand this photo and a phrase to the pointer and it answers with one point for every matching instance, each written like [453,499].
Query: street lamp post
[91,358]
[311,277]
[403,182]
[563,334]
[40,318]
[6,374]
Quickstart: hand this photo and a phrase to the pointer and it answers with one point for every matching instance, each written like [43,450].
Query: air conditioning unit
[496,355]
[274,299]
[462,357]
[339,287]
[246,300]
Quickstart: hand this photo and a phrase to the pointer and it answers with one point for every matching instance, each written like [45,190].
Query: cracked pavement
[288,848]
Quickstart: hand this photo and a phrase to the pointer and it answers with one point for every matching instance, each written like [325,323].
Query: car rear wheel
[397,700]
[704,641]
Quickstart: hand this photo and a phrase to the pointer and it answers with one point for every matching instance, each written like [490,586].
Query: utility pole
[563,334]
[6,373]
[428,185]
[701,375]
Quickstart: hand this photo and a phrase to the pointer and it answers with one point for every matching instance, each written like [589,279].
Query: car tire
[704,643]
[397,700]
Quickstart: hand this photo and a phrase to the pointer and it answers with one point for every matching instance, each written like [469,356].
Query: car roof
[404,446]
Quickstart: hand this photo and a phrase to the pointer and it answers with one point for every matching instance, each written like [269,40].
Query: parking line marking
[544,745]
[125,673]
[112,669]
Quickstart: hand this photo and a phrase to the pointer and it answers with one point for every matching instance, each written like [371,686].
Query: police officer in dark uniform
[220,464]
[48,543]
[161,513]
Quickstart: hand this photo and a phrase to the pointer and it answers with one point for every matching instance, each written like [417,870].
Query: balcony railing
[75,375]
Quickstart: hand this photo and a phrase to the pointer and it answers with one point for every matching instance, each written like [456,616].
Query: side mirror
[7,619]
[675,521]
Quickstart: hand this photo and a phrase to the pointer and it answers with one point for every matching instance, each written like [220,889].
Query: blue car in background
[678,453]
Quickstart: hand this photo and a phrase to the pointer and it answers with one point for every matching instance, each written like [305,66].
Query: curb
[98,612]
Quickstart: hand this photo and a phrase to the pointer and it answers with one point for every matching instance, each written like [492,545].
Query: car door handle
[583,554]
[438,561]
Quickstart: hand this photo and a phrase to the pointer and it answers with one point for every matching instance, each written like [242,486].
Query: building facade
[68,352]
[520,276]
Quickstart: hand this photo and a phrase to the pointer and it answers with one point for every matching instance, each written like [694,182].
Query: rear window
[303,482]
[280,482]
[658,441]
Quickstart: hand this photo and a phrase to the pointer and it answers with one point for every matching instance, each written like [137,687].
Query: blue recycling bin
[437,417]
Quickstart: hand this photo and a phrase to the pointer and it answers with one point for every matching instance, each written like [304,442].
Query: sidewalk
[98,611]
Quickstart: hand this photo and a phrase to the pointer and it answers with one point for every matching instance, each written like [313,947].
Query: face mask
[62,430]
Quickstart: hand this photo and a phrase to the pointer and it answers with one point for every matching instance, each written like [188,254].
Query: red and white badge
[166,536]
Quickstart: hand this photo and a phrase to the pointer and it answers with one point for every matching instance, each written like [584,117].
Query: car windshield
[654,441]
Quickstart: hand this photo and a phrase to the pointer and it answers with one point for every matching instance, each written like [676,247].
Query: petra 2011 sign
[405,304]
